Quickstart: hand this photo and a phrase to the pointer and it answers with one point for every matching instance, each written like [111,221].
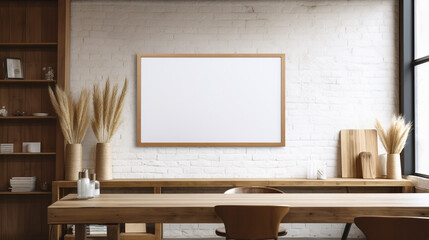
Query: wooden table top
[198,208]
[228,182]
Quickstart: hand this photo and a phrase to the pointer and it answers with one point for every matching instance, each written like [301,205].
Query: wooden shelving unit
[37,32]
[27,154]
[29,44]
[25,193]
[26,81]
[27,117]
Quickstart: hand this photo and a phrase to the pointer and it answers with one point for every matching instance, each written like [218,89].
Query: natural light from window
[422,86]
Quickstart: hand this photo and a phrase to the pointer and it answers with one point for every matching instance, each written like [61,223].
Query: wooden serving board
[353,142]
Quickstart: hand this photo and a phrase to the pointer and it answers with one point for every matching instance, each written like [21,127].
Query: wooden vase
[103,161]
[394,166]
[73,161]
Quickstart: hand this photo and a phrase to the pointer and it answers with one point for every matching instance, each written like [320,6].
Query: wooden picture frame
[13,68]
[163,84]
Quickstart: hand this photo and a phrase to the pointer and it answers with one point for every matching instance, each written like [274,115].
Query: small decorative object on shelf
[40,114]
[394,140]
[321,171]
[13,67]
[44,186]
[74,121]
[107,107]
[48,73]
[3,111]
[83,185]
[6,148]
[31,147]
[19,113]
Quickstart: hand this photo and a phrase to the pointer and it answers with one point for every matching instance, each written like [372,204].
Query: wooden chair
[251,222]
[394,228]
[244,190]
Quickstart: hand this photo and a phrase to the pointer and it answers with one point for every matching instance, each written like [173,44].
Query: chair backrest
[394,228]
[251,222]
[239,190]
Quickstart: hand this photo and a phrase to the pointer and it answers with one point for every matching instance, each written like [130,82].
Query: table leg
[158,226]
[407,189]
[113,231]
[346,231]
[80,232]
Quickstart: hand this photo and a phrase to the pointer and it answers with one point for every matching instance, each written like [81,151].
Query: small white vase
[394,166]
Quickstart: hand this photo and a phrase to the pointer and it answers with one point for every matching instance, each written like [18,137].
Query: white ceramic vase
[394,166]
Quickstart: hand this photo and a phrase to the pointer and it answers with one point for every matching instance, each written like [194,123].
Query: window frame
[407,65]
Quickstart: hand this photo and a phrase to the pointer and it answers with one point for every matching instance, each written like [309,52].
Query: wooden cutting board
[353,142]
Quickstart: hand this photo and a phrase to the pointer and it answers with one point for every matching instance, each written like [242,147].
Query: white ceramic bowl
[40,114]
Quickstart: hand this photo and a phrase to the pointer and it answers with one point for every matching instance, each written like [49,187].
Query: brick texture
[341,72]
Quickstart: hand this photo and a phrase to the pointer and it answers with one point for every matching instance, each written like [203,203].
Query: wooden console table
[218,185]
[112,209]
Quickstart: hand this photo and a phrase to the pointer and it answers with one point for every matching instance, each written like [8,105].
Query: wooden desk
[219,185]
[199,208]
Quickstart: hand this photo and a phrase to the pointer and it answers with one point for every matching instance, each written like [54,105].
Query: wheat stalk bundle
[73,116]
[108,108]
[395,137]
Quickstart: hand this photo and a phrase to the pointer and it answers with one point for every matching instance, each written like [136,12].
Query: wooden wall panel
[49,21]
[17,21]
[5,22]
[33,24]
[18,214]
[4,184]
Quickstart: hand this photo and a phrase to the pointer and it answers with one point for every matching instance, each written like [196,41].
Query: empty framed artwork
[211,100]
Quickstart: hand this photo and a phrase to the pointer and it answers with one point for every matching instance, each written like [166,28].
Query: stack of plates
[6,148]
[23,184]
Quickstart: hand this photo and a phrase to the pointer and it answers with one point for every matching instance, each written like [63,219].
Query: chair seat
[222,233]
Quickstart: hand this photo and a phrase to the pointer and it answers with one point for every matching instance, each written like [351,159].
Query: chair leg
[346,231]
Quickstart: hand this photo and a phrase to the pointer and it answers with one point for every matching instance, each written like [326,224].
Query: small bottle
[83,185]
[3,111]
[95,185]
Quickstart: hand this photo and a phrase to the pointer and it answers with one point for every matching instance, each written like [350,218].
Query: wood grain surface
[241,182]
[353,142]
[199,208]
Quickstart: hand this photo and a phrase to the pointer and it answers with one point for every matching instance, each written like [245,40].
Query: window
[421,85]
[414,82]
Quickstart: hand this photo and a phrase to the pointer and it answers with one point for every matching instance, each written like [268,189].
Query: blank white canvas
[211,99]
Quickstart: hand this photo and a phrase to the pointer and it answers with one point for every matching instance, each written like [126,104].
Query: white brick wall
[341,72]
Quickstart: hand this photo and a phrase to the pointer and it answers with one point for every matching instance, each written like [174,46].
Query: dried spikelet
[82,115]
[98,112]
[58,109]
[74,119]
[395,138]
[107,110]
[117,121]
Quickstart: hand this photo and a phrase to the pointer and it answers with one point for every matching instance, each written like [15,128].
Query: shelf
[35,44]
[123,236]
[27,154]
[26,81]
[25,193]
[27,117]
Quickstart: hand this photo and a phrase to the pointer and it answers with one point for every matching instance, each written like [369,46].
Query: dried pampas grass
[107,110]
[73,117]
[395,137]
